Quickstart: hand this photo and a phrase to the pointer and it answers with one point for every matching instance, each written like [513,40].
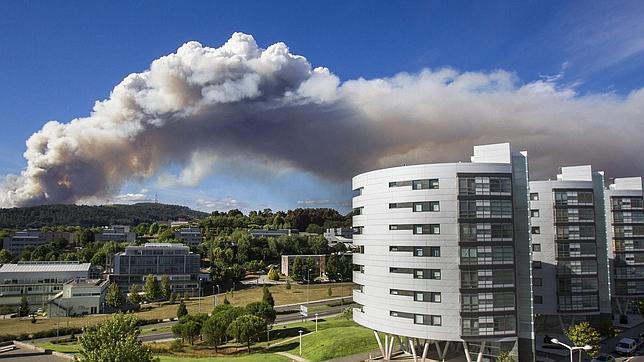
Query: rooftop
[44,267]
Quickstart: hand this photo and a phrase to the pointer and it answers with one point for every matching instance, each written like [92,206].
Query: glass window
[536,230]
[538,299]
[537,282]
[534,196]
[536,247]
[534,213]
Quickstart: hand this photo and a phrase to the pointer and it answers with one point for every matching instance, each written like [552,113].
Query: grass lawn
[149,330]
[297,293]
[67,347]
[335,338]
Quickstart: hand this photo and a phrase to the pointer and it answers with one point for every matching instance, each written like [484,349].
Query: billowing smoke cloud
[201,106]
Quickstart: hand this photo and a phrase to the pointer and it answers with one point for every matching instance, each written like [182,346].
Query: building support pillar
[391,347]
[413,349]
[479,358]
[425,348]
[382,351]
[467,352]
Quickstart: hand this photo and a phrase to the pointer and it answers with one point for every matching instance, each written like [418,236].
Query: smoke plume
[201,106]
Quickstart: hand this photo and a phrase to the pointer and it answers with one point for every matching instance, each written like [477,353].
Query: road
[280,319]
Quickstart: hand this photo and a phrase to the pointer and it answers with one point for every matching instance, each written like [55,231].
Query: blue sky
[58,57]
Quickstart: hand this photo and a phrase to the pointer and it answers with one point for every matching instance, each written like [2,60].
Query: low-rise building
[339,235]
[159,259]
[275,233]
[20,240]
[117,233]
[79,297]
[319,262]
[38,281]
[190,236]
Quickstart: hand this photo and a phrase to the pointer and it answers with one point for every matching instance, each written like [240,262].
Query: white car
[626,346]
[603,358]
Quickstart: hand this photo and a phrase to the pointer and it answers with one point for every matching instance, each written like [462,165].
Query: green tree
[296,269]
[5,256]
[288,285]
[165,287]
[332,267]
[187,328]
[151,288]
[583,334]
[214,329]
[113,297]
[23,311]
[133,295]
[246,329]
[273,274]
[173,297]
[314,229]
[114,340]
[182,310]
[267,297]
[262,310]
[154,229]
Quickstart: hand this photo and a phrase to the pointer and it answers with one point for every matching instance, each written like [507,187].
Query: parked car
[626,346]
[603,358]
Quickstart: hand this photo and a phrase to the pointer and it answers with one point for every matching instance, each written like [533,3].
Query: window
[538,299]
[358,211]
[536,264]
[537,282]
[535,230]
[357,230]
[536,247]
[534,196]
[435,251]
[534,213]
[424,184]
[399,183]
[358,191]
[485,185]
[432,206]
[430,320]
[427,229]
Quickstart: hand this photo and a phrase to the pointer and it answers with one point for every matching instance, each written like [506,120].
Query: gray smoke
[201,106]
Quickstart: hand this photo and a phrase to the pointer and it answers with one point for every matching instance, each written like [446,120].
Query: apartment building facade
[570,261]
[443,248]
[20,240]
[625,234]
[176,261]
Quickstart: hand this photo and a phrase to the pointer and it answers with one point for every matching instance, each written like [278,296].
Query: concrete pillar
[479,358]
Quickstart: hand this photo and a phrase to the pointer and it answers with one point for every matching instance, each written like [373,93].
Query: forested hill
[88,216]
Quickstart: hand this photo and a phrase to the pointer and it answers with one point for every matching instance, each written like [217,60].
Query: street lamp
[213,292]
[572,348]
[341,294]
[300,332]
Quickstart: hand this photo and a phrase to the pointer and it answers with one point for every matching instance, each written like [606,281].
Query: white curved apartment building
[443,249]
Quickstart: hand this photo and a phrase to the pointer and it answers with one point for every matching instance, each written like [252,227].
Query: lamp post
[300,332]
[572,348]
[316,322]
[213,292]
[341,294]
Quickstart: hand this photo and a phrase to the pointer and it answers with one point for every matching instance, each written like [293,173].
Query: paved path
[292,357]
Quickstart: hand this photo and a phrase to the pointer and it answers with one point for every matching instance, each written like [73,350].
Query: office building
[117,233]
[38,281]
[20,240]
[159,259]
[625,235]
[339,235]
[444,256]
[79,297]
[570,266]
[190,236]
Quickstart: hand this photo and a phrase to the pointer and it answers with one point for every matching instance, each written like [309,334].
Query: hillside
[52,215]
